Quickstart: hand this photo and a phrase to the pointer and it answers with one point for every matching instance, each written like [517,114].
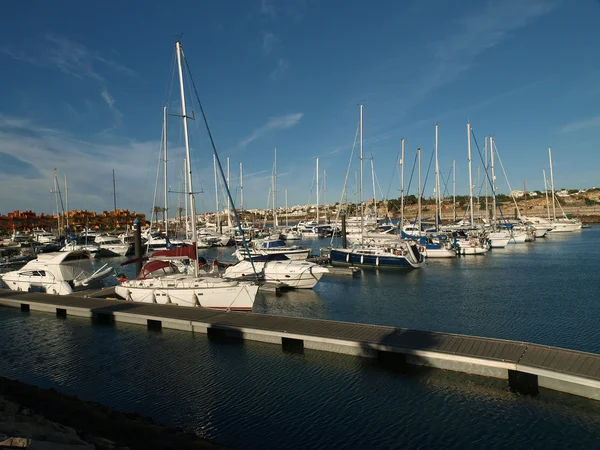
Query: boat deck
[526,366]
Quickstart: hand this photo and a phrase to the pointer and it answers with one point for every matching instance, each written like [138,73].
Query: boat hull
[349,257]
[231,297]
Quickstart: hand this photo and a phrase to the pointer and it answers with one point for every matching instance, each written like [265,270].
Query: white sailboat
[160,281]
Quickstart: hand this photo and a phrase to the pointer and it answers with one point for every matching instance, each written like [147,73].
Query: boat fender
[377,261]
[347,257]
[362,258]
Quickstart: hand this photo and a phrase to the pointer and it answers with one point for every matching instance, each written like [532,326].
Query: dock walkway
[526,366]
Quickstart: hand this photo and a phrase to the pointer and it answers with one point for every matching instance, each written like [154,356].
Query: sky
[83,89]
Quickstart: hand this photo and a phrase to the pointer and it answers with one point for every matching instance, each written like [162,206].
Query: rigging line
[214,148]
[487,175]
[412,173]
[337,215]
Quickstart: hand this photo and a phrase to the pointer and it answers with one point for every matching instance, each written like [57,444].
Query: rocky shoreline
[35,418]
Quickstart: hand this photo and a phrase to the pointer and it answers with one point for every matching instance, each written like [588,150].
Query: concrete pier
[526,367]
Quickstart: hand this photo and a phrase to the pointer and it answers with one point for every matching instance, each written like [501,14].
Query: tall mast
[228,202]
[419,189]
[546,191]
[241,188]
[55,182]
[374,192]
[217,194]
[437,181]
[402,186]
[187,213]
[470,173]
[317,191]
[493,181]
[362,218]
[552,185]
[165,213]
[66,201]
[454,189]
[187,155]
[486,151]
[275,224]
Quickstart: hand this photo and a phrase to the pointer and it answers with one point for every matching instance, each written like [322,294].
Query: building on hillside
[517,194]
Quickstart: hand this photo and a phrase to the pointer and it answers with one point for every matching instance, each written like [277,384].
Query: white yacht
[111,246]
[59,273]
[292,274]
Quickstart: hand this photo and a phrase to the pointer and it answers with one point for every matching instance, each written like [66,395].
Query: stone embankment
[41,419]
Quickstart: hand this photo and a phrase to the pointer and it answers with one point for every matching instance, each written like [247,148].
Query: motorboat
[278,269]
[111,246]
[59,273]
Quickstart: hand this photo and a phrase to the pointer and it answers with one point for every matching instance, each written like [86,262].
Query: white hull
[499,242]
[185,290]
[293,274]
[293,255]
[60,273]
[113,250]
[439,253]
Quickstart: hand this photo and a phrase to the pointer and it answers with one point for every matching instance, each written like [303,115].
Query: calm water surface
[253,395]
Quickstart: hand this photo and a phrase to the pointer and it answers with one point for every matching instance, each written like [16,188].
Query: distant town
[575,201]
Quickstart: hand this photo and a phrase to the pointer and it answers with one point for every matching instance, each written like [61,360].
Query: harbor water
[252,395]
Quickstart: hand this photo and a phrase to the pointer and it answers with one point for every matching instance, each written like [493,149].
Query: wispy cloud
[110,101]
[477,33]
[70,57]
[269,40]
[593,122]
[282,66]
[268,8]
[34,152]
[274,123]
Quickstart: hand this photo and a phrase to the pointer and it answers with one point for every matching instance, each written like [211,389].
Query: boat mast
[55,182]
[217,195]
[486,168]
[187,213]
[402,186]
[362,219]
[419,189]
[67,202]
[493,180]
[228,202]
[546,191]
[241,188]
[325,194]
[437,181]
[275,224]
[165,212]
[317,191]
[552,185]
[454,188]
[187,155]
[470,173]
[374,192]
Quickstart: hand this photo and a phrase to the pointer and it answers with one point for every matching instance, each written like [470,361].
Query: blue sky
[83,88]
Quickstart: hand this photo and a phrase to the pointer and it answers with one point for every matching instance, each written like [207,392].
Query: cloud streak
[273,124]
[269,40]
[593,122]
[110,101]
[282,66]
[474,35]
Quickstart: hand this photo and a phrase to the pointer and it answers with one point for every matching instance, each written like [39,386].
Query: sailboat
[391,253]
[432,246]
[555,225]
[161,280]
